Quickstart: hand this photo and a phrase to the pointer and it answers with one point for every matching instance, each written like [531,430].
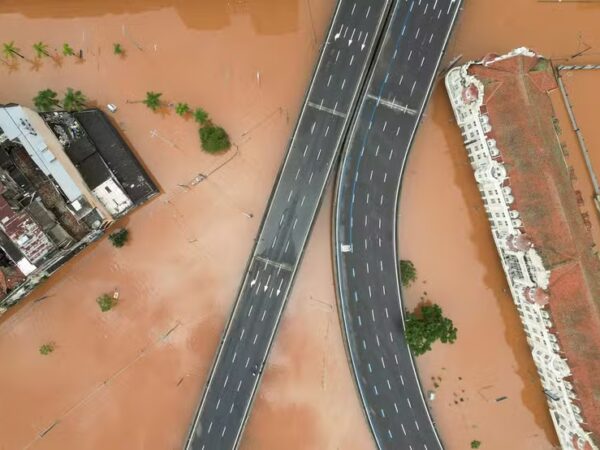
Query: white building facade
[527,277]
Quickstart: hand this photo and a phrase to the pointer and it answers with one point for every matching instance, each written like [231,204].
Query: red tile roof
[24,232]
[521,116]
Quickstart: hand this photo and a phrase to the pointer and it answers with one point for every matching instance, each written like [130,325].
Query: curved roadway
[365,222]
[324,120]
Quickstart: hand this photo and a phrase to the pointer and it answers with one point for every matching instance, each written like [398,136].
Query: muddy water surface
[486,384]
[131,378]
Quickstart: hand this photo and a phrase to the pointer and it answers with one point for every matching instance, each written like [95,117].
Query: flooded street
[488,388]
[132,377]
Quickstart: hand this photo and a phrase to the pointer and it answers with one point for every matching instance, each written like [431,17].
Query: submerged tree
[74,100]
[408,272]
[182,109]
[152,100]
[214,139]
[120,237]
[10,50]
[200,116]
[106,302]
[426,327]
[67,50]
[40,49]
[46,349]
[118,49]
[46,100]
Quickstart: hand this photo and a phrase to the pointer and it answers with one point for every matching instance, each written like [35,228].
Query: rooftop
[521,114]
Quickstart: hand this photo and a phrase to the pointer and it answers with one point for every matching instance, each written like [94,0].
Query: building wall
[523,266]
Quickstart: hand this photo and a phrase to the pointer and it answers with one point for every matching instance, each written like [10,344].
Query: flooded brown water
[488,387]
[131,378]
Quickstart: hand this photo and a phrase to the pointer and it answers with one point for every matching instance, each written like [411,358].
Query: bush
[106,302]
[428,326]
[475,444]
[46,349]
[408,273]
[200,116]
[119,238]
[214,139]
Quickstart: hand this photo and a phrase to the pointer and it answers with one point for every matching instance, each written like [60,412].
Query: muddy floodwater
[486,384]
[131,378]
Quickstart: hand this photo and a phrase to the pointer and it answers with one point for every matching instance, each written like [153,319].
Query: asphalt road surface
[365,219]
[324,121]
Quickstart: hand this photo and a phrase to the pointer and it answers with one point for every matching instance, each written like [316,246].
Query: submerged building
[64,177]
[502,107]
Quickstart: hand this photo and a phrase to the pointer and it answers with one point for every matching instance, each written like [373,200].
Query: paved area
[324,120]
[365,222]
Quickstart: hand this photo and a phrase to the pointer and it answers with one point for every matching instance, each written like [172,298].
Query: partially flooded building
[552,266]
[64,177]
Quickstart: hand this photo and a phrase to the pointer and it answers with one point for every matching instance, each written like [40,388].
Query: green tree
[152,100]
[45,100]
[118,49]
[67,50]
[106,302]
[10,50]
[74,100]
[182,109]
[541,65]
[426,327]
[46,349]
[40,49]
[475,443]
[120,237]
[408,272]
[214,139]
[200,116]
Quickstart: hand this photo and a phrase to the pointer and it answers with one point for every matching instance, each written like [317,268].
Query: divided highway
[365,215]
[324,120]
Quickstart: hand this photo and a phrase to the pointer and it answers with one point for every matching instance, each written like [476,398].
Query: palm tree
[74,100]
[40,49]
[182,109]
[152,100]
[45,100]
[117,49]
[200,116]
[10,50]
[67,50]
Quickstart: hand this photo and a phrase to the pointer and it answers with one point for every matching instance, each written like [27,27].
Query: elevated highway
[365,213]
[324,120]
